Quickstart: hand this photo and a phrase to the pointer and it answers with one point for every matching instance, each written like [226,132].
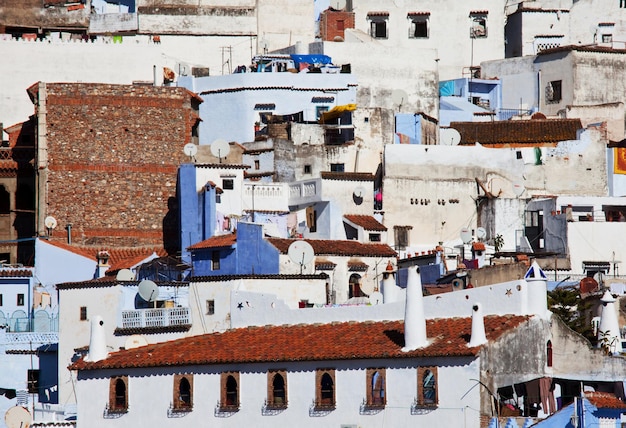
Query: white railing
[265,196]
[26,338]
[305,192]
[161,317]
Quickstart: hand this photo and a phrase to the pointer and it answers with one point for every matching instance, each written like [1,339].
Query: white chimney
[97,342]
[608,331]
[389,286]
[478,327]
[414,319]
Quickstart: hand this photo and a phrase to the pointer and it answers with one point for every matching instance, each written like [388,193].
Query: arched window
[183,393]
[355,286]
[278,391]
[427,386]
[229,396]
[376,387]
[549,353]
[118,394]
[325,393]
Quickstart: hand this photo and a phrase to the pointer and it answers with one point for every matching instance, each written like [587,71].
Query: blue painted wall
[409,125]
[188,209]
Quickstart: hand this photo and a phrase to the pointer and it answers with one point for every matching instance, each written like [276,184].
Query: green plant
[498,242]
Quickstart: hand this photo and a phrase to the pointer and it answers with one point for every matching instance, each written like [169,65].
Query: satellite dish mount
[220,149]
[300,252]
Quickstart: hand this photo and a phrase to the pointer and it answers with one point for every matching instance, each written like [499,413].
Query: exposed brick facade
[113,153]
[334,22]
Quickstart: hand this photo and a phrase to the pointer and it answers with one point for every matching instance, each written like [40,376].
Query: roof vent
[414,319]
[478,327]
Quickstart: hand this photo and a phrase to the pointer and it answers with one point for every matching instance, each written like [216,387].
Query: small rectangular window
[553,91]
[374,237]
[257,164]
[0,299]
[341,24]
[228,184]
[215,260]
[378,27]
[319,110]
[478,29]
[419,26]
[83,313]
[307,169]
[337,167]
[33,381]
[210,307]
[20,299]
[607,38]
[427,387]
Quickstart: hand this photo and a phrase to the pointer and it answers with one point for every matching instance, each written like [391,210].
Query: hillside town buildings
[200,199]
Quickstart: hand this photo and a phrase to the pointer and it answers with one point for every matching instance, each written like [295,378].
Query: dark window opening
[33,381]
[354,284]
[257,164]
[419,28]
[83,313]
[279,397]
[327,391]
[554,91]
[215,260]
[307,169]
[378,28]
[549,353]
[376,387]
[20,299]
[374,237]
[228,184]
[232,395]
[210,307]
[337,167]
[120,394]
[184,393]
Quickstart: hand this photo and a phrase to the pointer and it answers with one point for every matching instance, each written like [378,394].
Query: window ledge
[224,411]
[178,412]
[421,408]
[370,408]
[317,409]
[114,413]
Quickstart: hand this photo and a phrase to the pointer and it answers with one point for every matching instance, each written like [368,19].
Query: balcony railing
[161,317]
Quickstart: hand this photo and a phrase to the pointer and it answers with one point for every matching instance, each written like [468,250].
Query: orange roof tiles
[478,246]
[312,342]
[338,248]
[367,222]
[215,242]
[518,132]
[605,400]
[347,176]
[126,256]
[16,273]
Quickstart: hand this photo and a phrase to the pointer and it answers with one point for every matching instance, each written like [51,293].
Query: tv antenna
[300,252]
[148,291]
[18,417]
[190,150]
[220,149]
[125,275]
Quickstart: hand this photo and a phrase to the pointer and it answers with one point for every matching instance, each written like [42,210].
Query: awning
[336,112]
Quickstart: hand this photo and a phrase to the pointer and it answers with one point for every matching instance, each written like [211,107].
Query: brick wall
[113,154]
[333,23]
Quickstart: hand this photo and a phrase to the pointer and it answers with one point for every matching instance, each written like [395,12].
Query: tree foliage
[565,302]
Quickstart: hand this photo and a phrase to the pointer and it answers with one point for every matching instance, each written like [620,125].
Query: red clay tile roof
[347,176]
[216,242]
[518,132]
[110,281]
[582,48]
[16,273]
[323,264]
[337,248]
[129,262]
[312,342]
[605,400]
[117,256]
[367,222]
[357,266]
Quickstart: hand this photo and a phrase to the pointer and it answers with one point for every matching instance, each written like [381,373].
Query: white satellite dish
[300,252]
[376,298]
[220,149]
[359,192]
[50,222]
[148,290]
[135,341]
[190,150]
[399,97]
[449,137]
[518,189]
[18,417]
[125,275]
[481,233]
[466,235]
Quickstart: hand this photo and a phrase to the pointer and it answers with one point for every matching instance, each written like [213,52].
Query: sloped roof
[605,400]
[521,132]
[310,342]
[337,248]
[119,258]
[582,48]
[347,176]
[367,222]
[16,273]
[217,241]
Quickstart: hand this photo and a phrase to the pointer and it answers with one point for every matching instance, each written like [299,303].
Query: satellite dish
[135,341]
[449,137]
[50,222]
[17,417]
[125,275]
[220,149]
[518,189]
[148,290]
[376,298]
[300,252]
[399,97]
[466,235]
[481,233]
[190,150]
[358,194]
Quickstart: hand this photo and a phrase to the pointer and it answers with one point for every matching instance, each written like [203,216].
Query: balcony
[155,318]
[305,192]
[265,196]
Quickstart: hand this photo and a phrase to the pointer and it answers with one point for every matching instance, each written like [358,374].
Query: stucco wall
[150,394]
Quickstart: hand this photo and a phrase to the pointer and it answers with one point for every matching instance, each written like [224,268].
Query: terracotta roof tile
[313,342]
[338,248]
[347,176]
[518,132]
[357,266]
[478,246]
[110,281]
[16,273]
[218,241]
[117,256]
[367,222]
[605,400]
[129,262]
